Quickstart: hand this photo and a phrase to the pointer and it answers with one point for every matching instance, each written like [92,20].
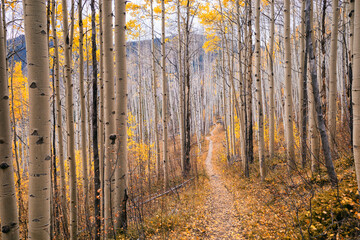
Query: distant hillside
[17,47]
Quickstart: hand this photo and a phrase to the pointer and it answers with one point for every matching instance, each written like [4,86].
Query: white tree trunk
[164,104]
[121,170]
[39,108]
[109,113]
[356,91]
[288,118]
[8,203]
[259,93]
[333,75]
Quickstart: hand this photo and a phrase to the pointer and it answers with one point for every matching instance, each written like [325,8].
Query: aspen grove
[179,119]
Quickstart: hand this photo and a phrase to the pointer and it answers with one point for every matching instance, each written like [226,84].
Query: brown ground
[223,222]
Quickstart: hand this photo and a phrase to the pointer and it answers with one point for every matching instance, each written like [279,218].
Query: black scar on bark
[112,138]
[4,165]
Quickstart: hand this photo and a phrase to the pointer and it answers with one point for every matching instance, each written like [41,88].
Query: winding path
[223,223]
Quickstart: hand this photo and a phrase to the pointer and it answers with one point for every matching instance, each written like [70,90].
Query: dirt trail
[224,223]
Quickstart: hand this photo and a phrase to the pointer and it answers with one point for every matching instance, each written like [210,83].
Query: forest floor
[221,204]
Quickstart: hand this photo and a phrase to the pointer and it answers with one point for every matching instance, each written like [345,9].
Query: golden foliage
[20,96]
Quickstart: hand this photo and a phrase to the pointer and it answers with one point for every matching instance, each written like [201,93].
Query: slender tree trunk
[154,87]
[95,126]
[231,112]
[164,103]
[187,99]
[181,90]
[350,68]
[333,75]
[141,119]
[85,176]
[8,204]
[109,113]
[303,89]
[356,92]
[101,117]
[121,171]
[56,199]
[249,117]
[59,126]
[224,47]
[15,149]
[271,87]
[259,93]
[88,104]
[288,91]
[225,105]
[39,108]
[314,132]
[240,106]
[322,57]
[70,123]
[321,123]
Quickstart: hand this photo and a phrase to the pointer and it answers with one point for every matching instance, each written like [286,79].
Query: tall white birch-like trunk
[59,125]
[84,156]
[67,38]
[8,204]
[109,113]
[333,75]
[288,118]
[271,83]
[39,108]
[181,89]
[259,93]
[356,92]
[154,87]
[165,95]
[121,171]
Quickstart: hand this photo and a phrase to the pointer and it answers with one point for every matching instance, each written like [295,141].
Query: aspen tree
[248,131]
[223,69]
[70,122]
[259,92]
[241,78]
[59,123]
[39,142]
[67,38]
[315,91]
[181,90]
[288,90]
[154,87]
[141,118]
[350,67]
[271,84]
[164,103]
[187,98]
[14,129]
[333,74]
[231,114]
[322,57]
[109,112]
[88,88]
[314,132]
[356,92]
[302,88]
[101,117]
[249,114]
[222,55]
[95,124]
[121,171]
[85,177]
[8,204]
